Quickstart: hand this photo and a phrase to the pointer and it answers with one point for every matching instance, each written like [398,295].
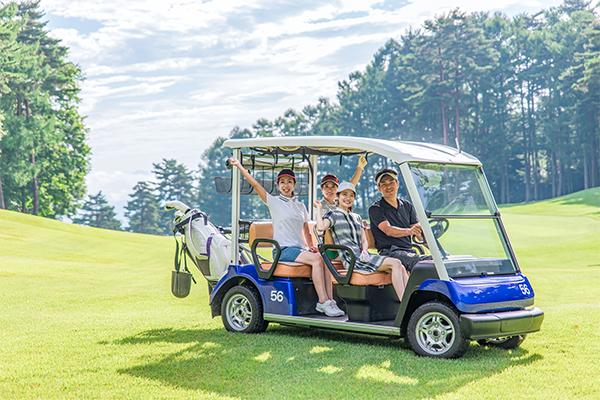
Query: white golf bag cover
[210,248]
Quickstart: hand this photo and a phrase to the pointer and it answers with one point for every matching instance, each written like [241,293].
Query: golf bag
[209,249]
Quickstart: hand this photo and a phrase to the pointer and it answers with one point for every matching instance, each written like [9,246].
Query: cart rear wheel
[242,311]
[434,331]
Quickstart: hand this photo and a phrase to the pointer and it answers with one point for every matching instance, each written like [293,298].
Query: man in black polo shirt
[394,221]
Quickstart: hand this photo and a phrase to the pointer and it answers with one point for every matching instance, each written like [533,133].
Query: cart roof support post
[235,209]
[312,185]
[420,210]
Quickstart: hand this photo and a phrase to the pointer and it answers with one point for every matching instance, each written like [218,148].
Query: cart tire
[506,343]
[242,311]
[434,331]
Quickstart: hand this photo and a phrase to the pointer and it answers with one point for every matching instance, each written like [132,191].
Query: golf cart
[472,289]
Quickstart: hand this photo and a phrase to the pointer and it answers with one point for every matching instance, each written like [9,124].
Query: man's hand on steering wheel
[416,232]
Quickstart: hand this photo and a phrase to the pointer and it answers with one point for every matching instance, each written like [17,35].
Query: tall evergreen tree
[98,213]
[143,211]
[45,135]
[173,182]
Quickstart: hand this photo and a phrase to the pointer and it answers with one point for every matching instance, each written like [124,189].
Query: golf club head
[176,205]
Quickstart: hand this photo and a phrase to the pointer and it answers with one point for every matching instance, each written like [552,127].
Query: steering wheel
[439,226]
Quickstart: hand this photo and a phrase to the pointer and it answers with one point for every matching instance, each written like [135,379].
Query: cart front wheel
[241,311]
[434,331]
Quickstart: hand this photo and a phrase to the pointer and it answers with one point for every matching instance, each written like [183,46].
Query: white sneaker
[335,306]
[327,309]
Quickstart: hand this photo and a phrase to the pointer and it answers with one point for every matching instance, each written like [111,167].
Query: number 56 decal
[525,289]
[276,295]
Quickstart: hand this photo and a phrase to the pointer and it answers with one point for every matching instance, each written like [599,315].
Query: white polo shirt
[288,215]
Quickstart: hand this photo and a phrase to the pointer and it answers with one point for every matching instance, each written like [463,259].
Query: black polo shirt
[402,217]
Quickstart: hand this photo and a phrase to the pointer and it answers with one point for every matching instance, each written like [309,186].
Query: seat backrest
[264,230]
[370,238]
[328,239]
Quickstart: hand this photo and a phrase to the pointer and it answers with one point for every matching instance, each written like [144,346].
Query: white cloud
[165,79]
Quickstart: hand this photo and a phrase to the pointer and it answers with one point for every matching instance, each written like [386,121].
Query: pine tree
[173,182]
[98,213]
[143,211]
[44,158]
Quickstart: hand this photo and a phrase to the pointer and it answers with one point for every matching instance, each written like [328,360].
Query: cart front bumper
[501,324]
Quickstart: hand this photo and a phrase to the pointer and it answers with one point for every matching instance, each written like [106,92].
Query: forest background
[522,94]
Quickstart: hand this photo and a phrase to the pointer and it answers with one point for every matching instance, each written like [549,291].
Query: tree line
[145,208]
[522,94]
[43,155]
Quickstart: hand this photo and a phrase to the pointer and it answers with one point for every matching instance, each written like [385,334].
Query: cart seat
[369,296]
[362,278]
[264,230]
[368,278]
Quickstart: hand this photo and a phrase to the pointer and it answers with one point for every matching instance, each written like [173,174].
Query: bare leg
[318,275]
[328,283]
[399,274]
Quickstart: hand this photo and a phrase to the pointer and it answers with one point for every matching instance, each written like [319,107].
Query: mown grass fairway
[88,314]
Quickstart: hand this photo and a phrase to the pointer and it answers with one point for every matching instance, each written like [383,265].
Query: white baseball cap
[346,185]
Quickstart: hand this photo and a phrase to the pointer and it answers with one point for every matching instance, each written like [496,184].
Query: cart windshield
[464,220]
[451,189]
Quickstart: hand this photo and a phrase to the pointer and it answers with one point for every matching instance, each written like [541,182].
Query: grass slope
[87,314]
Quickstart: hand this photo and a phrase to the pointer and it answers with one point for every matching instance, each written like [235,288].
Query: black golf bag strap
[196,215]
[180,255]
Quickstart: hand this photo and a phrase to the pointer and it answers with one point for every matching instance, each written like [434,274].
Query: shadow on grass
[287,362]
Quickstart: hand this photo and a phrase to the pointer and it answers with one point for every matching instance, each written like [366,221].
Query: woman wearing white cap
[347,230]
[330,183]
[290,230]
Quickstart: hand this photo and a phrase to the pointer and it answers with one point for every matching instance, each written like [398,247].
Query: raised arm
[362,163]
[322,224]
[259,189]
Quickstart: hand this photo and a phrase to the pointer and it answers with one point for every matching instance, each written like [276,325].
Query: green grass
[88,314]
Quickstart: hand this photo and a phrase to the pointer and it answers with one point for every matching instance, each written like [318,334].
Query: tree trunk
[585,169]
[503,185]
[507,184]
[34,182]
[2,206]
[593,164]
[445,122]
[532,141]
[559,191]
[34,186]
[444,119]
[457,118]
[23,206]
[526,146]
[553,172]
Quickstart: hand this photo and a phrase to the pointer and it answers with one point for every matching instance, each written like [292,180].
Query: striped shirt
[346,229]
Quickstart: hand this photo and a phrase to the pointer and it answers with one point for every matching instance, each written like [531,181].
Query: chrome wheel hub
[435,333]
[239,312]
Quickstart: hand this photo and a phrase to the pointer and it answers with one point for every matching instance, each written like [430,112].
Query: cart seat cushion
[290,269]
[294,269]
[371,278]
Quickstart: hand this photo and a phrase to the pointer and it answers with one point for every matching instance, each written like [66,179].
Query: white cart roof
[397,151]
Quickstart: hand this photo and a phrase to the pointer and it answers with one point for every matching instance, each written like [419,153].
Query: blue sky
[164,79]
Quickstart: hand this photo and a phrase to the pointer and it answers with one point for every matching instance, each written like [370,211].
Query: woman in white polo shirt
[290,227]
